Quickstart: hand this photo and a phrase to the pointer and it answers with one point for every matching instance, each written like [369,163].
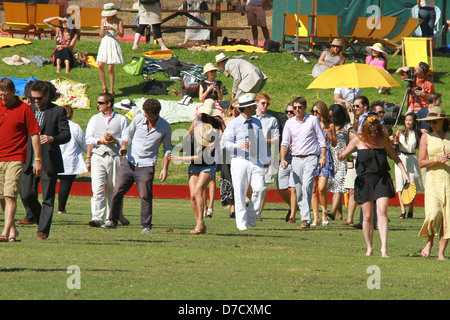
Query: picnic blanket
[20,84]
[71,93]
[158,54]
[172,111]
[153,65]
[11,42]
[239,47]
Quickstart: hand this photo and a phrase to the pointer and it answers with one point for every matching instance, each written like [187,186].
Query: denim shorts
[196,169]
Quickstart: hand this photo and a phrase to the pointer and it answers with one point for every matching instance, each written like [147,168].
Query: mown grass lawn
[273,261]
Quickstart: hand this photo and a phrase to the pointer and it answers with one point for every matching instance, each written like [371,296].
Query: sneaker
[146,230]
[209,213]
[109,225]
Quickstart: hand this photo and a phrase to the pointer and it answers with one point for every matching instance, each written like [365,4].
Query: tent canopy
[349,10]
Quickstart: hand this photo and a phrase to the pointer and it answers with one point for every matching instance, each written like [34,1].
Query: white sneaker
[146,230]
[109,225]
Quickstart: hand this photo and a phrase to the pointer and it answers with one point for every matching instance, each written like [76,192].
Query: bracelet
[324,157]
[435,160]
[37,159]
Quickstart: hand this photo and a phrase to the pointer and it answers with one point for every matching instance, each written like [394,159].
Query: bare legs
[368,226]
[9,206]
[137,37]
[112,76]
[197,184]
[59,65]
[443,243]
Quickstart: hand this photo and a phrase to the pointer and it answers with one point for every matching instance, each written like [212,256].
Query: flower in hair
[371,119]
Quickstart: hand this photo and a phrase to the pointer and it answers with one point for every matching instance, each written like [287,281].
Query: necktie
[252,139]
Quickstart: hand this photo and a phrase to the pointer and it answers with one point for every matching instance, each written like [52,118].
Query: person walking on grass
[373,182]
[104,134]
[148,131]
[17,122]
[109,52]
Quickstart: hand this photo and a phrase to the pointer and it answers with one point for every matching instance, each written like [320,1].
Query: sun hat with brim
[209,108]
[109,9]
[435,113]
[205,134]
[377,47]
[220,57]
[246,101]
[16,60]
[337,42]
[408,193]
[209,67]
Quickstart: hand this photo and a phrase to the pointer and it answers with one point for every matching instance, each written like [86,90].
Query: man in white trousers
[308,141]
[245,142]
[103,137]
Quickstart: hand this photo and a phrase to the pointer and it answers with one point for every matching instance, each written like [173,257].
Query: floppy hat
[337,42]
[220,57]
[209,67]
[205,134]
[377,47]
[245,101]
[109,9]
[16,60]
[209,108]
[435,113]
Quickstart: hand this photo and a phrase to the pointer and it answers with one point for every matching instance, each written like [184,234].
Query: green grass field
[272,261]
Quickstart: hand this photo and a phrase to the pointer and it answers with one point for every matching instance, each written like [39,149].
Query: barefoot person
[434,153]
[373,182]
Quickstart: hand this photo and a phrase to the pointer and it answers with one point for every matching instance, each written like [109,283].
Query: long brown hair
[369,122]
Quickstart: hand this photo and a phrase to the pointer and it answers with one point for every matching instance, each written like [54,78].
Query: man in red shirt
[421,84]
[16,122]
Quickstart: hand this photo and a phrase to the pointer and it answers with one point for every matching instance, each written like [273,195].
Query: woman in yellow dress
[434,154]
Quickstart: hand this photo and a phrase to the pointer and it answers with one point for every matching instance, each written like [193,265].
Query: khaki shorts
[10,175]
[256,16]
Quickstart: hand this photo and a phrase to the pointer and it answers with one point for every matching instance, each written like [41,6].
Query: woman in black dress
[373,182]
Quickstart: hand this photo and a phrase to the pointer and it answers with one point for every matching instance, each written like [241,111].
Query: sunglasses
[102,102]
[36,98]
[434,121]
[315,111]
[357,106]
[289,111]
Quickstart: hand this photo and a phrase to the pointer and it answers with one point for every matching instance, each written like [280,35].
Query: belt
[408,153]
[303,156]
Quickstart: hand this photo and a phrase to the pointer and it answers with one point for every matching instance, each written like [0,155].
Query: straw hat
[220,57]
[337,42]
[209,108]
[209,67]
[246,101]
[377,47]
[16,60]
[109,9]
[435,113]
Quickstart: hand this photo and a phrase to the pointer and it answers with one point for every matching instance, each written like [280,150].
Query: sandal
[410,215]
[3,238]
[13,239]
[202,230]
[402,216]
[209,212]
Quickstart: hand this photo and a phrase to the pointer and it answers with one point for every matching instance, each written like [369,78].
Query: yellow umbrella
[353,75]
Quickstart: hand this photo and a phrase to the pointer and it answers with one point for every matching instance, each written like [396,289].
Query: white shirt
[72,151]
[348,94]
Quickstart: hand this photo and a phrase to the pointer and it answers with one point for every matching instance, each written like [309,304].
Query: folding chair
[90,18]
[289,28]
[16,19]
[406,30]
[360,30]
[416,50]
[326,27]
[44,11]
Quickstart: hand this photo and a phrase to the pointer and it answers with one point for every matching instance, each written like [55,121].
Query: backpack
[391,111]
[189,85]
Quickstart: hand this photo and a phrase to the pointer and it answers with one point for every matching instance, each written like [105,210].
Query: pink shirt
[380,63]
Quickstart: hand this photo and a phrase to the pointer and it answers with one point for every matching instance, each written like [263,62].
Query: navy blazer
[55,125]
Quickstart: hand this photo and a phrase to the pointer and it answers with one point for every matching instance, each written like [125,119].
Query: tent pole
[297,26]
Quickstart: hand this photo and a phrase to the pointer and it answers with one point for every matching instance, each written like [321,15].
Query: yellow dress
[437,189]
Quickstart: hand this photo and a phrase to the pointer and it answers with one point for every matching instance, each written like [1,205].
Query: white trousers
[104,170]
[243,174]
[303,173]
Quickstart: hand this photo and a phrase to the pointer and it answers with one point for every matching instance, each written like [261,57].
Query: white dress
[109,51]
[409,160]
[72,151]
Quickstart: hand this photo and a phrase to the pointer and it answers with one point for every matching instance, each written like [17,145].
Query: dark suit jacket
[55,125]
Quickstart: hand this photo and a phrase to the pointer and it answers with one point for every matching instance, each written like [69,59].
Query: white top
[348,94]
[72,151]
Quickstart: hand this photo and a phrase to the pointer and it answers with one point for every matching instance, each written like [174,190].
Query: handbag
[135,67]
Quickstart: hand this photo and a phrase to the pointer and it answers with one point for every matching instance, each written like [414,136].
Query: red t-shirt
[16,122]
